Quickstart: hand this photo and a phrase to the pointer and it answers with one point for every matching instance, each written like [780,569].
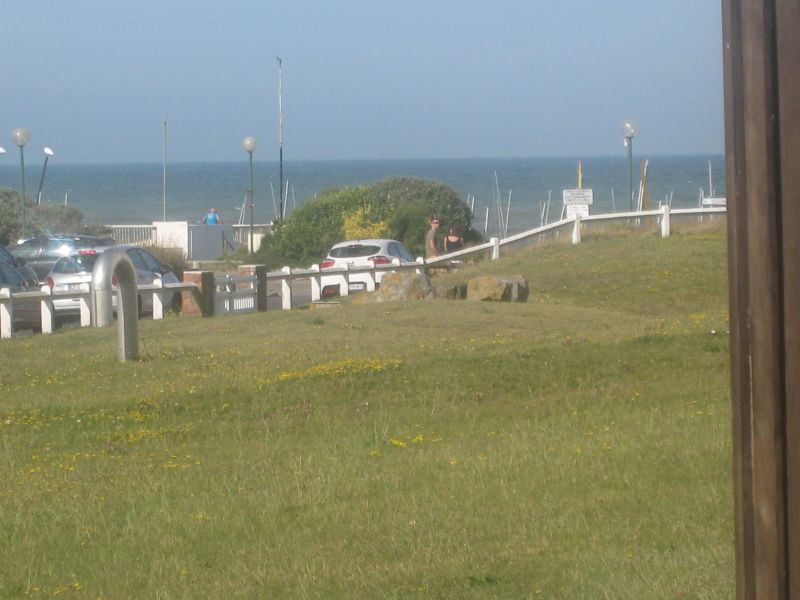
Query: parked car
[27,314]
[28,274]
[42,251]
[74,273]
[360,253]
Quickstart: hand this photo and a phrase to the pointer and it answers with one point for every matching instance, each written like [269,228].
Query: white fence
[239,293]
[162,294]
[145,235]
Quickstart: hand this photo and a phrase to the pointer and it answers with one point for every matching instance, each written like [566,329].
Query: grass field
[575,446]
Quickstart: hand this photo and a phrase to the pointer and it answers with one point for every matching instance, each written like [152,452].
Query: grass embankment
[576,446]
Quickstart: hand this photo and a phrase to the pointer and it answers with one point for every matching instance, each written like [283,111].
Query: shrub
[399,208]
[41,218]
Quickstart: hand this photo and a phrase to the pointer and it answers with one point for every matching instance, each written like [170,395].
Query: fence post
[344,284]
[86,311]
[261,289]
[286,289]
[158,300]
[48,314]
[495,248]
[665,220]
[576,230]
[6,313]
[316,284]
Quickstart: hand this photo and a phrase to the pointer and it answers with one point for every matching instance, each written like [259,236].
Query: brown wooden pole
[787,15]
[762,122]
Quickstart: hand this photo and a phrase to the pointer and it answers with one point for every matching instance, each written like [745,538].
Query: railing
[145,235]
[240,293]
[135,235]
[162,294]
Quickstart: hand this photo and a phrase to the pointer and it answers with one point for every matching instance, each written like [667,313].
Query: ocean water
[134,193]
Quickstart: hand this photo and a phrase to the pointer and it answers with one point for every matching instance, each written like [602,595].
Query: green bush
[398,208]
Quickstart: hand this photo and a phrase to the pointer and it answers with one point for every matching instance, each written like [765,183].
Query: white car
[360,253]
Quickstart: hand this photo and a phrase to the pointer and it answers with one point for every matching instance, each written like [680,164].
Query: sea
[506,194]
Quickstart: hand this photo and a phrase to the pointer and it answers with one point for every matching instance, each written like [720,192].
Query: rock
[498,289]
[450,291]
[404,286]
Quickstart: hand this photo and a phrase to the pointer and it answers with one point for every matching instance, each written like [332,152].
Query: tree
[44,217]
[398,208]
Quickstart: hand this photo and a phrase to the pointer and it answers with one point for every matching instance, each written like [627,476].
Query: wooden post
[761,51]
[576,230]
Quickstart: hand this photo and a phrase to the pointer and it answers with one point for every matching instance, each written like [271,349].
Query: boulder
[498,289]
[450,291]
[404,286]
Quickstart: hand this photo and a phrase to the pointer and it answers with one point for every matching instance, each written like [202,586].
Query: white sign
[577,209]
[579,196]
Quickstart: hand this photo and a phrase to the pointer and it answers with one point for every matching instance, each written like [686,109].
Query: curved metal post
[116,262]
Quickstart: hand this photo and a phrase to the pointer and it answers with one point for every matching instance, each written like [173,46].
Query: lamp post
[629,130]
[21,136]
[250,144]
[48,152]
[280,135]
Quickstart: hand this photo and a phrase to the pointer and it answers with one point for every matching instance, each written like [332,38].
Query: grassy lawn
[575,446]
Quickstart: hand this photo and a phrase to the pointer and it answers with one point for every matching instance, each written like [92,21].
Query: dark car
[28,274]
[42,252]
[27,314]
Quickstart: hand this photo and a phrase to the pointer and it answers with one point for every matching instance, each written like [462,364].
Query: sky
[362,79]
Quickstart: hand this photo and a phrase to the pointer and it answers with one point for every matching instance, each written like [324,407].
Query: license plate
[356,287]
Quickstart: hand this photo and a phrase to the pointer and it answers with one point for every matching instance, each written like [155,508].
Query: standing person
[453,240]
[431,246]
[212,218]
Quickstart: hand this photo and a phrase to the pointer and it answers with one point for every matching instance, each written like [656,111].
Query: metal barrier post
[115,261]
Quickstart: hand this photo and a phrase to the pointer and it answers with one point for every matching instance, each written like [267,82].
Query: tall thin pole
[280,132]
[41,180]
[22,177]
[629,144]
[165,169]
[251,201]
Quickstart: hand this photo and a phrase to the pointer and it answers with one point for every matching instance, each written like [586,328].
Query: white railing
[288,275]
[239,293]
[145,235]
[135,235]
[162,294]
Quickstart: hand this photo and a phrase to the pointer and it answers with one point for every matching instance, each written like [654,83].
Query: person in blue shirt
[212,218]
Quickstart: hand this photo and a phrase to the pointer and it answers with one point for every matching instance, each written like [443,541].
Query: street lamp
[48,152]
[21,136]
[250,144]
[629,130]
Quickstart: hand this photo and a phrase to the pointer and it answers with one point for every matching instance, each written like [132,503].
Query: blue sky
[362,79]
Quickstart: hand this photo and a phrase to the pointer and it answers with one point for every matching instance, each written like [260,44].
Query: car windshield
[80,263]
[354,251]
